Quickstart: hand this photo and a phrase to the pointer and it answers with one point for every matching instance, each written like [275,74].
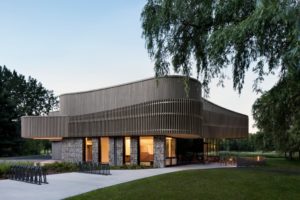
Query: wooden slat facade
[219,122]
[145,107]
[127,95]
[44,126]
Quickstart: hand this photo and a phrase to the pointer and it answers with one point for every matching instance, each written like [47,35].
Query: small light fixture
[257,158]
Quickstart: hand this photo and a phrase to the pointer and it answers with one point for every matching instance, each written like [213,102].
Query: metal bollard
[29,174]
[94,168]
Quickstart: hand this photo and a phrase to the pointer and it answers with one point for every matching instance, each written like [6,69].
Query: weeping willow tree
[277,114]
[213,35]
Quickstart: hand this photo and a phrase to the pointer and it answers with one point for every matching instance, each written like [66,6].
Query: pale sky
[77,45]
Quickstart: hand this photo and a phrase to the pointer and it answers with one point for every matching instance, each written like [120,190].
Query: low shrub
[271,154]
[131,167]
[5,166]
[60,167]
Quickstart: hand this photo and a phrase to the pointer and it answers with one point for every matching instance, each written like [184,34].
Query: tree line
[254,142]
[20,96]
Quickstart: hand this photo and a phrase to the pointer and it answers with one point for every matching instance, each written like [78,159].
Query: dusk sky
[74,45]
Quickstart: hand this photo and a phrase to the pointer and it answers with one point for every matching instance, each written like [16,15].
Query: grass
[283,164]
[270,154]
[241,183]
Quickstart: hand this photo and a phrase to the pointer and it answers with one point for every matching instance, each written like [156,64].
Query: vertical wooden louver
[139,108]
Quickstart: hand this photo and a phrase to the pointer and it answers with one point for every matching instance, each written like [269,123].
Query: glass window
[146,151]
[104,149]
[127,150]
[88,149]
[170,151]
[211,149]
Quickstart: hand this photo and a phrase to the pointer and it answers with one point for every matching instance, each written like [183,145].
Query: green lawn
[253,183]
[280,163]
[269,154]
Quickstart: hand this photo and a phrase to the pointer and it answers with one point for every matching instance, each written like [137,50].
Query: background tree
[19,97]
[277,114]
[213,35]
[254,142]
[9,141]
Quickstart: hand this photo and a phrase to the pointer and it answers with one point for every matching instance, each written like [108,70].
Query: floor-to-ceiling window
[104,149]
[170,151]
[189,151]
[127,150]
[146,151]
[88,149]
[212,149]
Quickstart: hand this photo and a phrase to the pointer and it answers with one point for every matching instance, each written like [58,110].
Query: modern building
[148,122]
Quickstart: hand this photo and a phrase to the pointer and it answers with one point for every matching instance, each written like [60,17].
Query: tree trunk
[299,154]
[285,155]
[290,155]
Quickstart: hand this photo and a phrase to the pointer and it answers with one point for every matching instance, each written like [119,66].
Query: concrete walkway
[69,184]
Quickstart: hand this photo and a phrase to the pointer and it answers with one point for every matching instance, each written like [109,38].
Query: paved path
[70,184]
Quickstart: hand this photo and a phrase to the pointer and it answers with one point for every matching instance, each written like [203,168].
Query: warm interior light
[104,149]
[170,147]
[48,138]
[88,149]
[146,150]
[127,146]
[257,158]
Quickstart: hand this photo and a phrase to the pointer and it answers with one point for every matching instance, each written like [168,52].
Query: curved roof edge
[223,108]
[128,83]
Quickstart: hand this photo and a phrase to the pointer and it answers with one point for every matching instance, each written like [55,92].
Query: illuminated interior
[88,149]
[170,151]
[127,150]
[146,151]
[104,143]
[212,147]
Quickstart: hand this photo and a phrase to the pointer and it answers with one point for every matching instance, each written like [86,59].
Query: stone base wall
[56,150]
[116,145]
[119,148]
[159,151]
[111,151]
[95,142]
[134,142]
[72,149]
